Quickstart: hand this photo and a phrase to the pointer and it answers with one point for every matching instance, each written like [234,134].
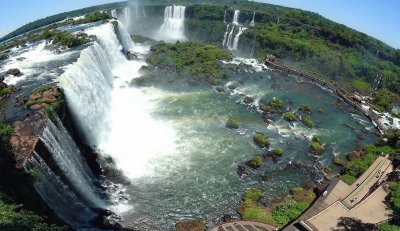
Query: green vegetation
[137,38]
[275,153]
[232,86]
[384,99]
[232,123]
[290,116]
[339,161]
[60,17]
[388,227]
[60,37]
[190,60]
[15,188]
[276,103]
[261,139]
[320,110]
[308,122]
[5,91]
[315,147]
[279,214]
[255,162]
[305,107]
[361,86]
[361,161]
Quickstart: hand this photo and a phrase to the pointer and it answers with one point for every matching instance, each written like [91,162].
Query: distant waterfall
[231,38]
[124,38]
[236,17]
[114,13]
[127,17]
[59,197]
[225,17]
[236,40]
[69,159]
[173,28]
[252,23]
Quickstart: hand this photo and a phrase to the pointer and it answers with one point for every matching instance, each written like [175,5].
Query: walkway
[244,226]
[343,94]
[358,200]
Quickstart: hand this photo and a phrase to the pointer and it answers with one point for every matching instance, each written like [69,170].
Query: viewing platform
[363,200]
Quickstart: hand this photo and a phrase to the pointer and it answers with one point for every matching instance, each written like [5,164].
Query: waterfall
[126,18]
[230,36]
[124,38]
[225,17]
[252,23]
[236,17]
[69,159]
[236,40]
[225,36]
[59,197]
[114,13]
[113,116]
[231,40]
[173,28]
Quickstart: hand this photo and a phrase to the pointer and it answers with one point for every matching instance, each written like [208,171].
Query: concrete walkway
[244,226]
[357,200]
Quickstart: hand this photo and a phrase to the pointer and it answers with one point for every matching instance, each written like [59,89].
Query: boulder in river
[131,55]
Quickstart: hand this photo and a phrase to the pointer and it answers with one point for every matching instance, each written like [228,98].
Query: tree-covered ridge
[302,39]
[59,17]
[194,60]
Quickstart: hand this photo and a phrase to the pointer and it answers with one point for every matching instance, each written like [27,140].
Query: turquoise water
[199,179]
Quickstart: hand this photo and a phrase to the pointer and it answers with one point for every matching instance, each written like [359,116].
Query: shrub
[339,161]
[320,110]
[289,116]
[261,139]
[256,162]
[316,139]
[279,151]
[252,194]
[232,86]
[232,123]
[316,148]
[308,122]
[305,107]
[276,103]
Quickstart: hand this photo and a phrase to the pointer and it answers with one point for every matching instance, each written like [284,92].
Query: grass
[256,162]
[316,148]
[305,107]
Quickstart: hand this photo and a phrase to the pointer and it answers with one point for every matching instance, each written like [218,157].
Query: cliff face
[27,132]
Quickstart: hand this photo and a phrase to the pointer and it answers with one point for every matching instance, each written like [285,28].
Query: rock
[256,162]
[267,117]
[248,100]
[242,170]
[227,218]
[26,135]
[261,139]
[131,55]
[265,178]
[195,225]
[220,89]
[14,72]
[232,123]
[107,220]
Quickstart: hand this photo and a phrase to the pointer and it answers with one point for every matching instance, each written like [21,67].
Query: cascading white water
[236,40]
[252,23]
[225,36]
[114,13]
[225,17]
[173,28]
[59,197]
[231,40]
[236,17]
[121,112]
[124,38]
[69,159]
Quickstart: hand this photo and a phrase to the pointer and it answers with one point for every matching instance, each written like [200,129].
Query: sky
[379,19]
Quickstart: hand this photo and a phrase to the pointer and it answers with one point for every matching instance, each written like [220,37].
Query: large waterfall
[233,32]
[120,111]
[59,197]
[69,159]
[173,28]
